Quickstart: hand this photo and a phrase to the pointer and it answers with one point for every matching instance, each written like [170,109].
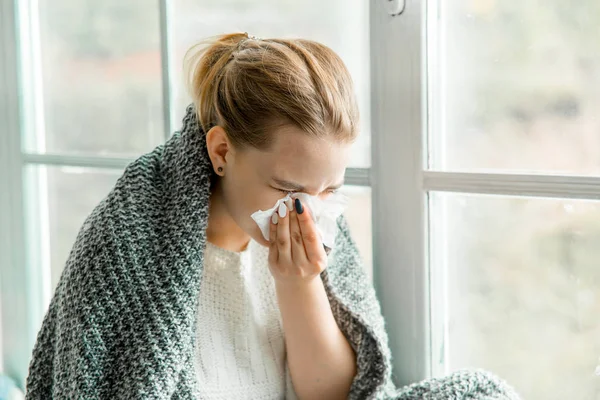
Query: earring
[220,169]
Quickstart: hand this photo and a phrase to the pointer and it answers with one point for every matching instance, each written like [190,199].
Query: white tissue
[324,213]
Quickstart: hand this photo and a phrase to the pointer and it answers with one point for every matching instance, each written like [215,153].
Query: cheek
[325,196]
[243,199]
[266,198]
[263,199]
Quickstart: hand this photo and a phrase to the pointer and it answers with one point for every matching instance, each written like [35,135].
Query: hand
[296,254]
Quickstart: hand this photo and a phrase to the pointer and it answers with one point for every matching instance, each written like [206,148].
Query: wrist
[298,286]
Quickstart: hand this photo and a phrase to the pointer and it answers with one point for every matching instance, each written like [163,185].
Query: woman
[171,290]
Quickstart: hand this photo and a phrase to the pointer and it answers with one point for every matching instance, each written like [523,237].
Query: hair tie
[241,42]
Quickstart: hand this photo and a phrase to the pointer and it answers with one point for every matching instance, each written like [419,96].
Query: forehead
[300,158]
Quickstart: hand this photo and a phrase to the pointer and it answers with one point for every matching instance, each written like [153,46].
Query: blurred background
[511,87]
[515,88]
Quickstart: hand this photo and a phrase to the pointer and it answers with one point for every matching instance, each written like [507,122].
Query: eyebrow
[296,187]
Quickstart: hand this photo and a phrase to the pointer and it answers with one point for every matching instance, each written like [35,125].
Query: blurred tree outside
[102,76]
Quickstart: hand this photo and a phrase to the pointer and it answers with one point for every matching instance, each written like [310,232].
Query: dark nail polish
[299,208]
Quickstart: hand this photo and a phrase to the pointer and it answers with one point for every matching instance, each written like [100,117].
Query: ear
[219,149]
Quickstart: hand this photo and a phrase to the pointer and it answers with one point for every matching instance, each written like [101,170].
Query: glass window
[99,67]
[522,290]
[515,86]
[342,25]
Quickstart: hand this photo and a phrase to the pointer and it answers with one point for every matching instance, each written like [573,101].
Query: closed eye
[326,192]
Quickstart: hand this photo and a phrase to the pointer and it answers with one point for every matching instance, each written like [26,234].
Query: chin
[256,235]
[261,240]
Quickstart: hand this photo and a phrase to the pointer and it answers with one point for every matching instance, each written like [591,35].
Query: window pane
[523,290]
[358,215]
[515,85]
[65,196]
[342,25]
[101,77]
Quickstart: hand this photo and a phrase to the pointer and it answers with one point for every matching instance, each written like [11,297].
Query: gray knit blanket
[121,323]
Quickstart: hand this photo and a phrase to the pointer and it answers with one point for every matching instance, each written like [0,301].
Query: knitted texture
[463,384]
[239,324]
[122,321]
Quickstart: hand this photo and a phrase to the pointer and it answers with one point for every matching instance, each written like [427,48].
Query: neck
[222,230]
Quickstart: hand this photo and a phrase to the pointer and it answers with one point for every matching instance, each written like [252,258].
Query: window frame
[400,234]
[15,312]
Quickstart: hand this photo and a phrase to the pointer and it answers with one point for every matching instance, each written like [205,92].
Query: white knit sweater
[240,348]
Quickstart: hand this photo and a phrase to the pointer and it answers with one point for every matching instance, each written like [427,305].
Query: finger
[297,244]
[273,253]
[310,236]
[283,235]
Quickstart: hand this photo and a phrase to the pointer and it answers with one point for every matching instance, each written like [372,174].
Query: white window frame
[400,275]
[15,313]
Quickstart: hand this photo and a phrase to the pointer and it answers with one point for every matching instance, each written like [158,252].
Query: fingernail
[282,210]
[289,204]
[274,218]
[299,208]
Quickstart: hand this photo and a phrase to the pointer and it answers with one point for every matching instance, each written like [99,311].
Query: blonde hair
[250,86]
